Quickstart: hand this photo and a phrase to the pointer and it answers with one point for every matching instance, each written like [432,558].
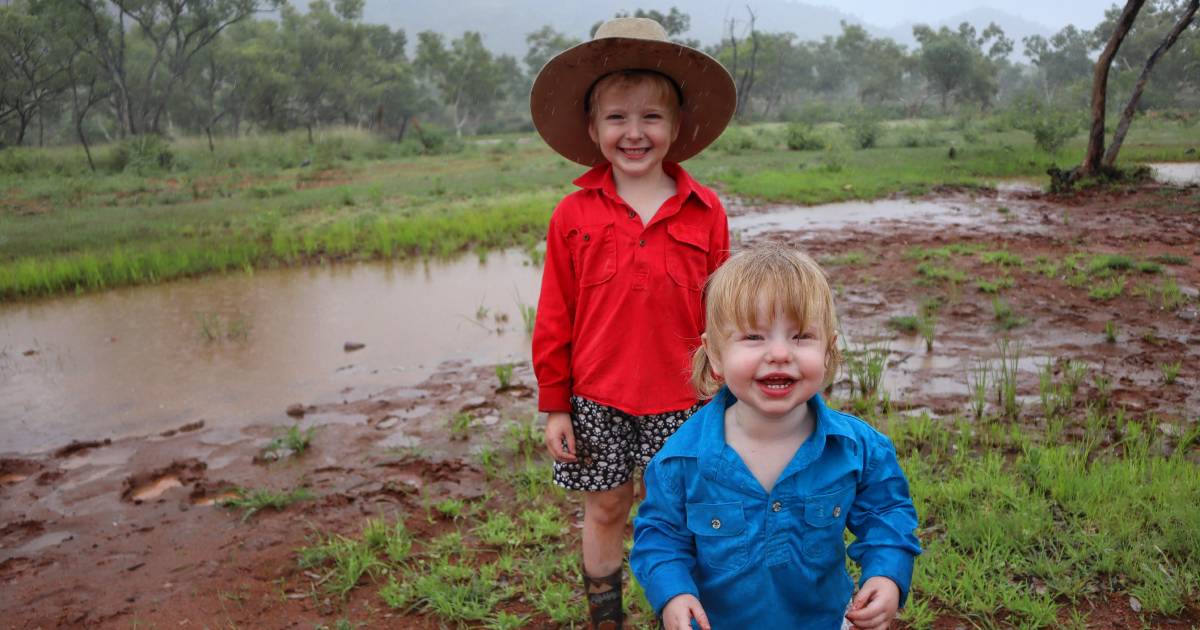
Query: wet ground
[123,531]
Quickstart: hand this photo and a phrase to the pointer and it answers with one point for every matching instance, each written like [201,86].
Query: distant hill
[1015,28]
[504,23]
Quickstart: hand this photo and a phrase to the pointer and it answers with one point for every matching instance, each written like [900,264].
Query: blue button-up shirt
[708,528]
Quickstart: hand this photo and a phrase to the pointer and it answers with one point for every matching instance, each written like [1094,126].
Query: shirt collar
[600,178]
[827,423]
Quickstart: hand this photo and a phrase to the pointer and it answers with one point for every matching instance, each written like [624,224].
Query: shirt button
[837,511]
[587,237]
[776,506]
[632,214]
[716,523]
[642,243]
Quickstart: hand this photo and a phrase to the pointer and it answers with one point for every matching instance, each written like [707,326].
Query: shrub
[143,153]
[734,141]
[802,137]
[864,129]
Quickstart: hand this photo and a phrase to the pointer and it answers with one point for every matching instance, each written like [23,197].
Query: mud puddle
[1177,173]
[238,349]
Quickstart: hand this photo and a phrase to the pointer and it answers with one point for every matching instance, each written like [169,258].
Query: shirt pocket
[720,530]
[825,525]
[687,255]
[594,249]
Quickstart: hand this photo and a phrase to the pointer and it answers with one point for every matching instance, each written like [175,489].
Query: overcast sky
[1054,14]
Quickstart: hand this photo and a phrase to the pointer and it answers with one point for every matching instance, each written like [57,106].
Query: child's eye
[614,117]
[752,337]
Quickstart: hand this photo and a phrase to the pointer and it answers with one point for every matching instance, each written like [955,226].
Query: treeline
[82,70]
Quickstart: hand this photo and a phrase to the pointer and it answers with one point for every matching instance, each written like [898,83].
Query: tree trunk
[1110,156]
[1095,151]
[403,128]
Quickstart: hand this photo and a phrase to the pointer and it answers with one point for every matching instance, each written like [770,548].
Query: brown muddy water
[238,350]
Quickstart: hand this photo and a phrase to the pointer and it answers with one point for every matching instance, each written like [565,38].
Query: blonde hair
[664,88]
[777,278]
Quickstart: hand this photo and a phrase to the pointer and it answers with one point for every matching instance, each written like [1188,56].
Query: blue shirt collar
[715,459]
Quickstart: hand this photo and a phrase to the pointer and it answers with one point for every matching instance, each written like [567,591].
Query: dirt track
[124,533]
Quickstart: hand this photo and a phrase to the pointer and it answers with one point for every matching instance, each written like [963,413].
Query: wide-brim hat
[562,87]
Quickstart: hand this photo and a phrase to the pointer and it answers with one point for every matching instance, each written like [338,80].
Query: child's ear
[714,360]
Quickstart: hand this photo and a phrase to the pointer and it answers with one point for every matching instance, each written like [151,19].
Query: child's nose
[777,350]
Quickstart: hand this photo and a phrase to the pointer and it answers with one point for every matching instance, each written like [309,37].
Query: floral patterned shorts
[610,443]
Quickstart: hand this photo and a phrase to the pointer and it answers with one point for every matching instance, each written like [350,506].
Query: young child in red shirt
[620,311]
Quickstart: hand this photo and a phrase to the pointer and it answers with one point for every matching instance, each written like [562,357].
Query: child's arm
[664,551]
[883,519]
[552,326]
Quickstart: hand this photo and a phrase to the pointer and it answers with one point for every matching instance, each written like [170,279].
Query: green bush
[142,154]
[734,141]
[864,130]
[802,137]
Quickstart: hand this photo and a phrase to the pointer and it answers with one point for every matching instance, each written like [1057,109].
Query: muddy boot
[604,601]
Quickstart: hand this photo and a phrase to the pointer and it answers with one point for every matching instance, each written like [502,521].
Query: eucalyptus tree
[169,33]
[470,82]
[35,61]
[961,63]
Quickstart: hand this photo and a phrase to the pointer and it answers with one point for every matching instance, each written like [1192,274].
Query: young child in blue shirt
[747,503]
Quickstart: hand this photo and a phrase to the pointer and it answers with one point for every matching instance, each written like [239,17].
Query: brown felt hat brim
[556,101]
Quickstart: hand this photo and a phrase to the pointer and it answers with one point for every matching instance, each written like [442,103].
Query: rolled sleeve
[883,520]
[664,552]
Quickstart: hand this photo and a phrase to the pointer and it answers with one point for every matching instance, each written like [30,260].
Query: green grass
[254,203]
[253,502]
[291,441]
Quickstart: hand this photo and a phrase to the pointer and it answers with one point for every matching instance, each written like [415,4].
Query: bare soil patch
[124,533]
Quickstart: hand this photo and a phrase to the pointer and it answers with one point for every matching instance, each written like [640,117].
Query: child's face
[634,127]
[772,368]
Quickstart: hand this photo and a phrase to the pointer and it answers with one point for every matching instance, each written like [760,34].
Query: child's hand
[875,605]
[558,434]
[679,612]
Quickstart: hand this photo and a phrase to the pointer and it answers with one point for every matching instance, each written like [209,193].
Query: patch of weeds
[1109,262]
[1170,371]
[1108,290]
[865,365]
[1103,385]
[504,373]
[292,440]
[254,502]
[1058,395]
[1146,266]
[451,508]
[931,273]
[1001,258]
[905,323]
[528,316]
[454,593]
[1171,259]
[523,437]
[978,379]
[504,620]
[460,425]
[1006,377]
[1110,331]
[848,259]
[1046,267]
[542,524]
[1006,318]
[1170,296]
[498,530]
[994,286]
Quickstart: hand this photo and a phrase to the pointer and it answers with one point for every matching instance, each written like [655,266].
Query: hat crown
[632,28]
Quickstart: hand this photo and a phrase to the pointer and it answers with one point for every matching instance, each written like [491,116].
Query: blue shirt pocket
[720,530]
[825,521]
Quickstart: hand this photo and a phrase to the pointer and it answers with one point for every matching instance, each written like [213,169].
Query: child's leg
[604,516]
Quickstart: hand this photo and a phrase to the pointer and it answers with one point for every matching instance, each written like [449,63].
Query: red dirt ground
[118,534]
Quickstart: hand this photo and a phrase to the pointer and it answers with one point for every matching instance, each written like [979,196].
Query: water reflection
[238,349]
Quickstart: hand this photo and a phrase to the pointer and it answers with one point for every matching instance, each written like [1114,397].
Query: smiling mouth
[776,385]
[635,152]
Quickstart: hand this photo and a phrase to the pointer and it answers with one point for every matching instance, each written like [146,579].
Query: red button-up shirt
[621,311]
